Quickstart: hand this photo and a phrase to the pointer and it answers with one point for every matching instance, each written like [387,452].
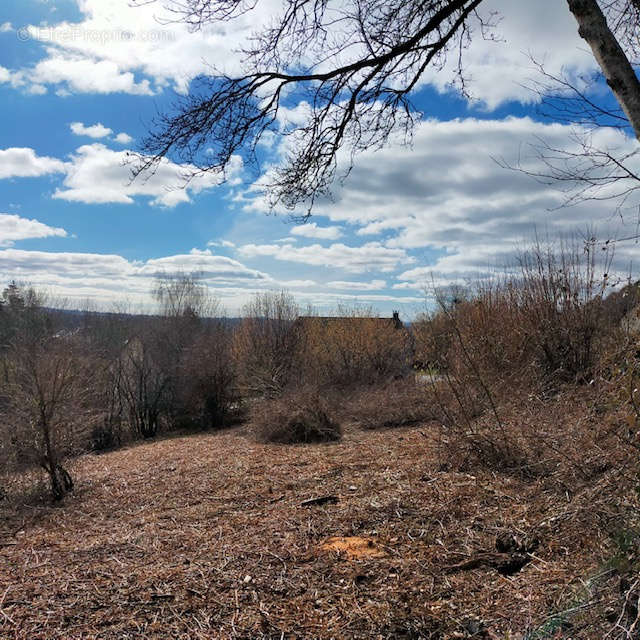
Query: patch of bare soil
[214,536]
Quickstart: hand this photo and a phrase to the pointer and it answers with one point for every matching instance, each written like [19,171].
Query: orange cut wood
[354,547]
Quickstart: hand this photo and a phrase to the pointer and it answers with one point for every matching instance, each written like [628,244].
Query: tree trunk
[620,76]
[61,482]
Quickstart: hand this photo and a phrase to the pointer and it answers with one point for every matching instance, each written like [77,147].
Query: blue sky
[80,81]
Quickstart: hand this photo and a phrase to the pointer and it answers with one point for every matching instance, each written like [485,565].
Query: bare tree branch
[356,105]
[355,64]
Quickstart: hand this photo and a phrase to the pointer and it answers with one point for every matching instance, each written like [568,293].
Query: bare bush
[399,403]
[432,336]
[539,327]
[300,417]
[192,346]
[50,408]
[561,305]
[352,347]
[109,431]
[265,344]
[143,385]
[206,389]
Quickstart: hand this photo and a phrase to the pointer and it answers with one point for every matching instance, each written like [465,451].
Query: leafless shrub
[432,340]
[109,431]
[399,403]
[541,326]
[206,388]
[50,401]
[300,417]
[265,344]
[351,348]
[143,385]
[560,303]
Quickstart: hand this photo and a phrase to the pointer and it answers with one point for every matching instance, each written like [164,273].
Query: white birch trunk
[620,75]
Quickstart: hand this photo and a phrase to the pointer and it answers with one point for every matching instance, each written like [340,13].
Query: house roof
[393,322]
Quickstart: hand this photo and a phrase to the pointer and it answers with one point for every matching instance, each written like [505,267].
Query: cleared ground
[206,536]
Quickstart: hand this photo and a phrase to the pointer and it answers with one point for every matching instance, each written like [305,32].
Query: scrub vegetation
[473,473]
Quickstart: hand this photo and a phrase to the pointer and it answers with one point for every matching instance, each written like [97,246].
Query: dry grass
[205,537]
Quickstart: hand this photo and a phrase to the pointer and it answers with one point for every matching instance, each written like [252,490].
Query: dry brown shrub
[301,417]
[545,320]
[524,335]
[352,348]
[205,387]
[400,403]
[432,335]
[265,343]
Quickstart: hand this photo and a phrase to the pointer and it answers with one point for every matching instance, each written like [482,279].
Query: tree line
[105,379]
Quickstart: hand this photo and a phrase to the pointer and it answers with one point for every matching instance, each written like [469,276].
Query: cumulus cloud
[109,280]
[500,69]
[445,199]
[21,162]
[98,175]
[105,277]
[123,138]
[94,131]
[14,228]
[80,74]
[95,174]
[373,285]
[312,230]
[371,256]
[204,263]
[297,284]
[116,47]
[221,243]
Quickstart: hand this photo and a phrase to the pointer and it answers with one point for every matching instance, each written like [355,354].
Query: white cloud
[98,175]
[37,90]
[330,301]
[123,138]
[499,71]
[297,284]
[94,131]
[14,228]
[368,257]
[204,263]
[5,27]
[446,198]
[108,278]
[221,243]
[294,116]
[118,47]
[374,285]
[21,162]
[84,75]
[312,230]
[5,75]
